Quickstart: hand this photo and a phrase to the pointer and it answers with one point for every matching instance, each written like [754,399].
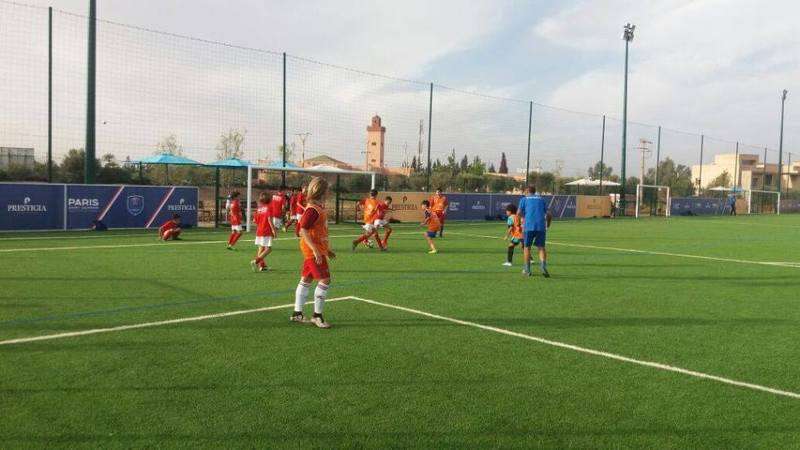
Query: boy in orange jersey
[264,233]
[370,206]
[171,229]
[313,233]
[235,219]
[439,204]
[513,233]
[431,220]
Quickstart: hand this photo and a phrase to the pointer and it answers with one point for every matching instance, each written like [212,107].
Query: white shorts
[264,241]
[380,223]
[297,217]
[277,222]
[237,228]
[368,227]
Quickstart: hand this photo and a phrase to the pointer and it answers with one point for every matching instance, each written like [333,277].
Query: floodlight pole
[627,36]
[780,143]
[91,77]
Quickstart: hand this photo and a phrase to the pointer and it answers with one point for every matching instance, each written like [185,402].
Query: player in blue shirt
[536,220]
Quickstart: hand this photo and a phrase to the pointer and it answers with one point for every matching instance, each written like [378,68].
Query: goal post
[763,202]
[330,172]
[653,200]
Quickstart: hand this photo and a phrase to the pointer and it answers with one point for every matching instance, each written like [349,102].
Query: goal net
[763,202]
[653,200]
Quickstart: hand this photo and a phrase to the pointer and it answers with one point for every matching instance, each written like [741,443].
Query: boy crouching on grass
[313,232]
[265,231]
[514,232]
[171,229]
[431,220]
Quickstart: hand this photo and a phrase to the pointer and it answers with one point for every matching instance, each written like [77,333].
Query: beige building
[376,141]
[749,173]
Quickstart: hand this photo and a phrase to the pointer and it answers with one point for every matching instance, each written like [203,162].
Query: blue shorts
[536,238]
[431,234]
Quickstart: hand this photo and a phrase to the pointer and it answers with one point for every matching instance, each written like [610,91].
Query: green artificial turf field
[698,319]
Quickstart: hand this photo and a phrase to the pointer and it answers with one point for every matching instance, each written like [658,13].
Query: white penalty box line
[466,323]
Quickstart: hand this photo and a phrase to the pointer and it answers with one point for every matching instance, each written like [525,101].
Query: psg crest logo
[135,204]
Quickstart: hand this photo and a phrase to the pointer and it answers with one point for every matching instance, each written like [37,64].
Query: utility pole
[303,137]
[627,36]
[645,152]
[91,77]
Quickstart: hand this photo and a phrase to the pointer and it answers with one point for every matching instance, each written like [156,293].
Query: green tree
[72,166]
[477,167]
[723,180]
[230,144]
[503,164]
[594,172]
[170,146]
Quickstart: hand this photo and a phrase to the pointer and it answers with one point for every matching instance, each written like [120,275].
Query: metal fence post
[658,154]
[430,119]
[764,172]
[91,78]
[283,158]
[602,153]
[530,131]
[50,94]
[700,179]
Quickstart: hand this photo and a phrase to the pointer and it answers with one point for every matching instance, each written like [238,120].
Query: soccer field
[678,333]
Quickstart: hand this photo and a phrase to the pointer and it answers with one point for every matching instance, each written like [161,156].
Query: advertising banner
[697,206]
[593,206]
[31,206]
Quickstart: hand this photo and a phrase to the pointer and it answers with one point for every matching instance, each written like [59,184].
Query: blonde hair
[317,188]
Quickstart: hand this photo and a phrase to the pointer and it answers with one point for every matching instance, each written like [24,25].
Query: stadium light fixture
[627,36]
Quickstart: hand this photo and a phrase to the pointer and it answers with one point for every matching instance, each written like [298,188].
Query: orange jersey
[317,232]
[432,220]
[370,209]
[438,203]
[515,223]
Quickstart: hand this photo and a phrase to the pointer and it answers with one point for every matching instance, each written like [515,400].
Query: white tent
[591,182]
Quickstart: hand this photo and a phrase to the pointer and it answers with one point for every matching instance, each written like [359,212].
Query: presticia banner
[31,206]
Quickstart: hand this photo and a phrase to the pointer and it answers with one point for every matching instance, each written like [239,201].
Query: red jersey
[276,204]
[438,203]
[263,225]
[297,203]
[380,210]
[235,212]
[168,225]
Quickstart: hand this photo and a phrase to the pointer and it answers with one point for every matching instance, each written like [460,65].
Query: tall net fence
[158,92]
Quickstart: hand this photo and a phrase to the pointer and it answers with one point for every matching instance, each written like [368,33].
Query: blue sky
[706,66]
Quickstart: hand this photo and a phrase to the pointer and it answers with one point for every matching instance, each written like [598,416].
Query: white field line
[157,244]
[47,337]
[600,353]
[650,252]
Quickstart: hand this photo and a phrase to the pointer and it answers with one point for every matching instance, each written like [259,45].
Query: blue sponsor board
[31,206]
[147,207]
[43,206]
[697,206]
[790,205]
[493,206]
[500,202]
[457,206]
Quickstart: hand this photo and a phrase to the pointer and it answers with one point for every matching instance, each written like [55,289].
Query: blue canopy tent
[166,160]
[229,163]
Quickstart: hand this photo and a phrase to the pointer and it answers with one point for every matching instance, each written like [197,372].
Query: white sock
[320,294]
[300,295]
